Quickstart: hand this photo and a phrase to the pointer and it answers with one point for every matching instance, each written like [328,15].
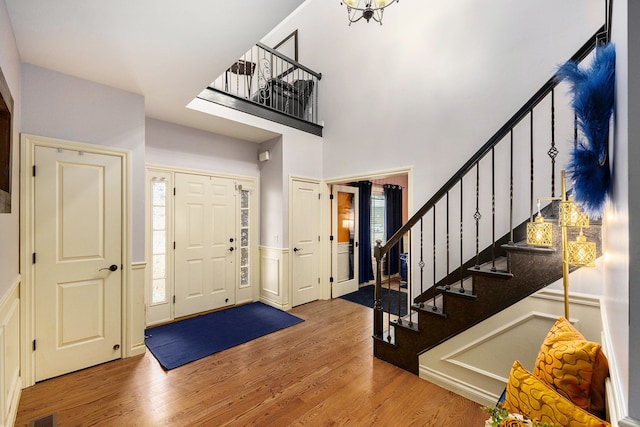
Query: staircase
[462,273]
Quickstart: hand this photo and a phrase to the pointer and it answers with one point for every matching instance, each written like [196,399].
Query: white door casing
[345,250]
[205,243]
[305,235]
[77,238]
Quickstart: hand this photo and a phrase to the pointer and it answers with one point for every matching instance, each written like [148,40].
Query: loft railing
[477,206]
[272,80]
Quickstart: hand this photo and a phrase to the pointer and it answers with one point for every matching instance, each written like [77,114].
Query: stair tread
[433,306]
[460,289]
[499,268]
[524,247]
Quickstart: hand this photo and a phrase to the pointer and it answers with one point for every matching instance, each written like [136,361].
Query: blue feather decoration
[593,95]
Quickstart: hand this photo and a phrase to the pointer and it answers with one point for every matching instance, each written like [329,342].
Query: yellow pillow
[528,395]
[574,367]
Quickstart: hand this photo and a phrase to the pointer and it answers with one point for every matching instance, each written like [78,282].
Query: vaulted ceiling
[164,50]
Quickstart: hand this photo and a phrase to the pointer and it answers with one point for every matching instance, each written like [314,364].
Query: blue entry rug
[364,296]
[176,344]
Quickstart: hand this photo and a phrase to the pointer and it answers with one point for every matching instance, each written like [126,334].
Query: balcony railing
[270,79]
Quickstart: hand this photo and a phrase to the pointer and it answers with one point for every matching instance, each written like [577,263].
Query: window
[244,239]
[159,240]
[377,217]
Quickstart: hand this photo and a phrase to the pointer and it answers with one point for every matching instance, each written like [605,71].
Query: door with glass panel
[205,243]
[345,256]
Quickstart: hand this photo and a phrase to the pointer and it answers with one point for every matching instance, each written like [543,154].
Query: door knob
[112,267]
[231,248]
[297,249]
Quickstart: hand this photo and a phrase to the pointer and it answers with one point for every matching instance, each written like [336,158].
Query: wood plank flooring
[320,372]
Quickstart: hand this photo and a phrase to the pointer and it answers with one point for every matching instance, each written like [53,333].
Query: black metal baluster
[409,281]
[493,210]
[477,216]
[553,151]
[531,159]
[462,290]
[388,296]
[399,284]
[421,263]
[511,188]
[447,217]
[434,246]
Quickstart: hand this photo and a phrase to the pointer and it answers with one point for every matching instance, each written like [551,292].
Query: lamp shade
[539,232]
[581,252]
[571,216]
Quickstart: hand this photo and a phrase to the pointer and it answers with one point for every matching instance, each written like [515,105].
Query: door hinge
[331,238]
[174,299]
[318,280]
[174,246]
[331,279]
[33,258]
[34,345]
[34,170]
[330,196]
[318,238]
[319,196]
[174,191]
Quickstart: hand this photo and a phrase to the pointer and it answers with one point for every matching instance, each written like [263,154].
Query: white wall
[622,237]
[272,196]
[182,147]
[9,223]
[61,106]
[295,153]
[10,378]
[431,85]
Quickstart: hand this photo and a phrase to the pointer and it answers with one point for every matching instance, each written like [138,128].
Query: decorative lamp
[581,252]
[571,215]
[539,233]
[367,9]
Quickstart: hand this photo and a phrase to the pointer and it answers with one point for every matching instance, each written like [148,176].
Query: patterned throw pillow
[574,367]
[528,395]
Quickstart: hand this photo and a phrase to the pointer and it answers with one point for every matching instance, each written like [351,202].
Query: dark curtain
[393,221]
[365,270]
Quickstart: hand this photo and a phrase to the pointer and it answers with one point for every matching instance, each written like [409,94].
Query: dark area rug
[179,343]
[364,296]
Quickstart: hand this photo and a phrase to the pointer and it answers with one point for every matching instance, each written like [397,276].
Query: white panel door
[78,253]
[345,247]
[305,235]
[205,239]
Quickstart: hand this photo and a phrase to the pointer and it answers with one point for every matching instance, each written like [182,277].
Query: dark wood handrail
[293,62]
[486,148]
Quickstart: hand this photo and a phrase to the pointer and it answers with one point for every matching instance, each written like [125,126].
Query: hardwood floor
[320,372]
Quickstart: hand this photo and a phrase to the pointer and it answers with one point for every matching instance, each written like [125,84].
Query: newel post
[377,306]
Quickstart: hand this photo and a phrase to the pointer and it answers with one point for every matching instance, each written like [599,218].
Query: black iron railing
[270,79]
[490,175]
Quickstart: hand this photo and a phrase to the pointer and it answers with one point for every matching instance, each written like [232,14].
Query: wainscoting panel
[10,380]
[476,363]
[274,286]
[136,310]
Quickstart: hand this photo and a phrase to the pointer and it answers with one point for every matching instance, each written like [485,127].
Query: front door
[305,236]
[205,243]
[78,260]
[345,255]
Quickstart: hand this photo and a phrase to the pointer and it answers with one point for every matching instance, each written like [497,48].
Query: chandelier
[367,9]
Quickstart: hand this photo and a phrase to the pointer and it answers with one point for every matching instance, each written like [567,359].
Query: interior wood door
[345,243]
[305,238]
[205,255]
[78,260]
